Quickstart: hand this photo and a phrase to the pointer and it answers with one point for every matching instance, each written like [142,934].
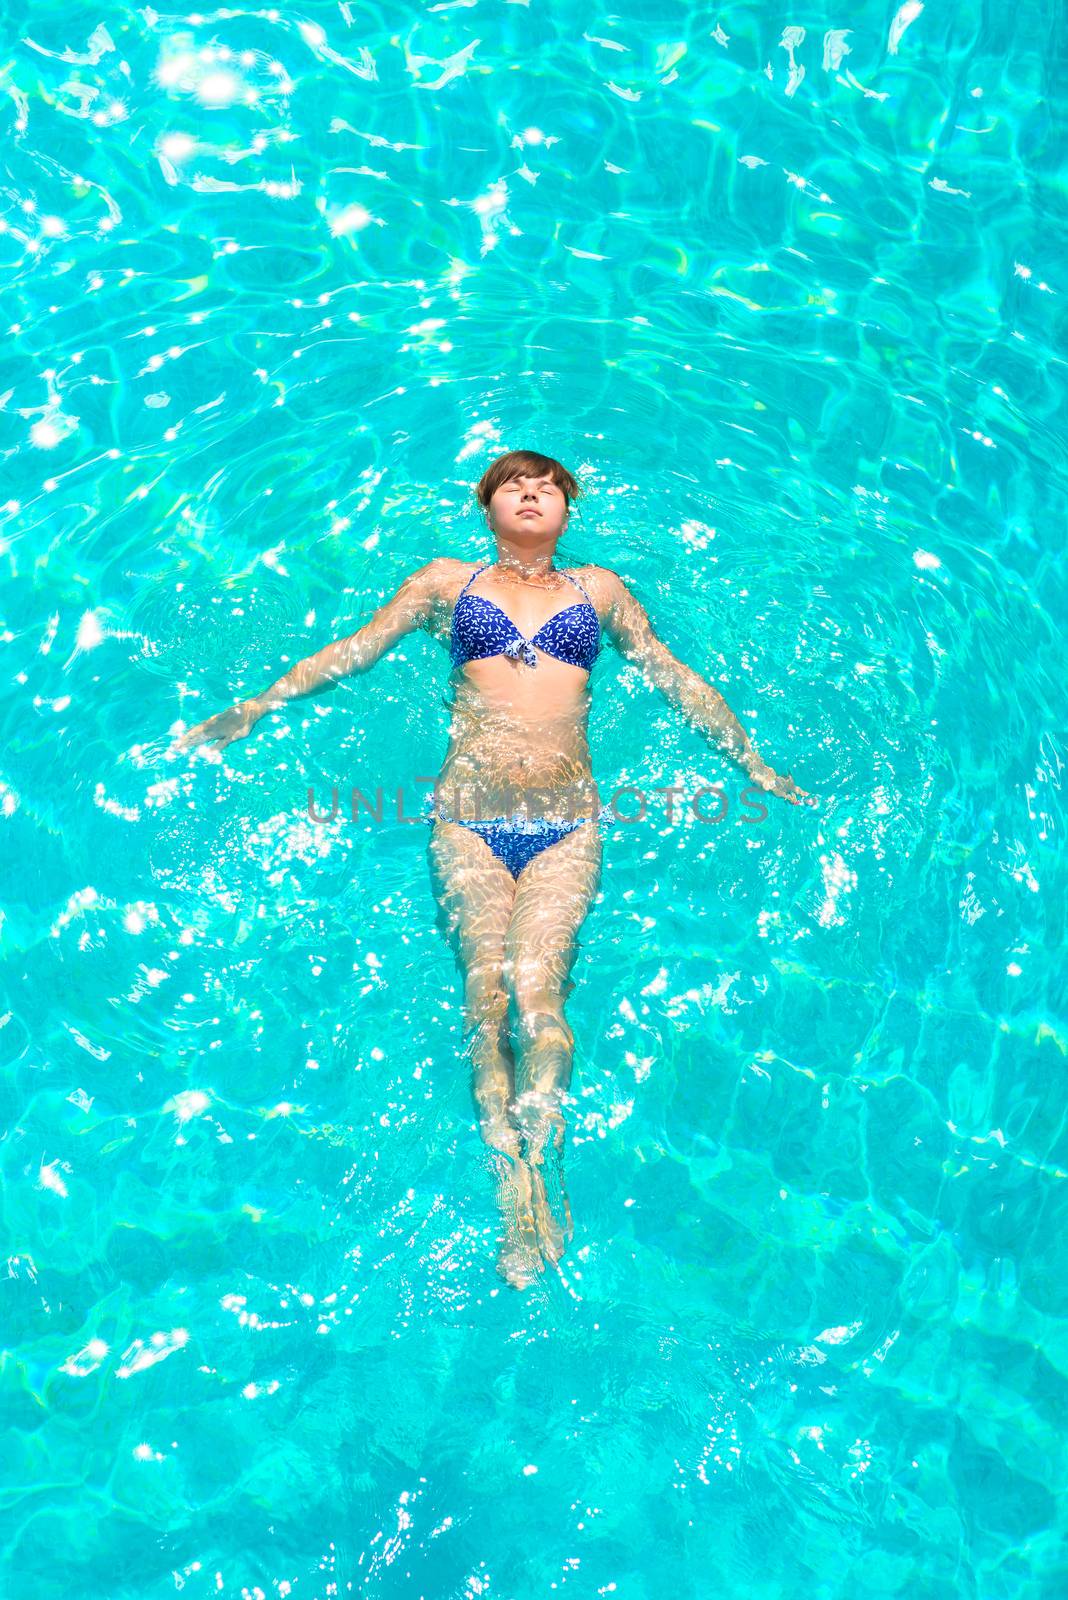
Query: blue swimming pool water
[785,289]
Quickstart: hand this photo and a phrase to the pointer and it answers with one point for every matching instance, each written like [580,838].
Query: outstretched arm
[627,625]
[410,608]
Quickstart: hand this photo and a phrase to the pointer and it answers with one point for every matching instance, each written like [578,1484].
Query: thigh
[553,895]
[474,893]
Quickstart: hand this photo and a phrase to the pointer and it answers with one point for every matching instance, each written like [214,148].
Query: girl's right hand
[224,728]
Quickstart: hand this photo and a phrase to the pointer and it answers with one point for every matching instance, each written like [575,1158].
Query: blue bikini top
[480,629]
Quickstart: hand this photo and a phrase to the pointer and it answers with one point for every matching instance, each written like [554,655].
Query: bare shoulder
[442,575]
[450,573]
[605,586]
[444,566]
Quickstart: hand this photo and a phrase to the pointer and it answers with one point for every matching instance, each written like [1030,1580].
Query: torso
[518,734]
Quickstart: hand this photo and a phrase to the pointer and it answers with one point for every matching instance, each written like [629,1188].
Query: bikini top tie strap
[473,576]
[578,586]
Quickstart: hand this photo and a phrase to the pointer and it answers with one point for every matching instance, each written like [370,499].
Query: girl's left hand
[779,783]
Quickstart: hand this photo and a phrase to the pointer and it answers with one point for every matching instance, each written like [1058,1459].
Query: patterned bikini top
[480,629]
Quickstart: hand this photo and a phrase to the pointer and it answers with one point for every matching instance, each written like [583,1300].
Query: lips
[529,511]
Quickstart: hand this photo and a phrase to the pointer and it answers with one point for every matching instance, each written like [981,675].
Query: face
[524,506]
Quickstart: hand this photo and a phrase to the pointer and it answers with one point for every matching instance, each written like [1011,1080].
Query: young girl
[515,846]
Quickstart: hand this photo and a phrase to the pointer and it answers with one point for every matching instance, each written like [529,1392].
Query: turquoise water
[786,291]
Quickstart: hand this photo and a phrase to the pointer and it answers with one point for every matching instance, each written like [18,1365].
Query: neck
[527,563]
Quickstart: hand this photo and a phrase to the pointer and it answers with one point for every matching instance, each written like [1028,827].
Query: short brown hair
[524,463]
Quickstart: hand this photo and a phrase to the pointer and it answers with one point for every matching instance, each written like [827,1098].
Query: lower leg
[545,1058]
[493,1082]
[543,1070]
[493,1078]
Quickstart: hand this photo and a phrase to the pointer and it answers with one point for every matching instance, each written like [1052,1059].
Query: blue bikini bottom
[517,839]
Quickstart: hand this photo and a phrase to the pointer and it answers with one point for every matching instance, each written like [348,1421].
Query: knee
[539,1010]
[532,985]
[486,1001]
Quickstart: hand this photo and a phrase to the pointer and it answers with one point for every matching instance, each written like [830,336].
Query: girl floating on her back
[515,846]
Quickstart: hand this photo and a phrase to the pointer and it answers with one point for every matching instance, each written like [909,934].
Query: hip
[525,818]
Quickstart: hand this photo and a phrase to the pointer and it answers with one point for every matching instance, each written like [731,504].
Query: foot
[519,1259]
[518,1264]
[553,1235]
